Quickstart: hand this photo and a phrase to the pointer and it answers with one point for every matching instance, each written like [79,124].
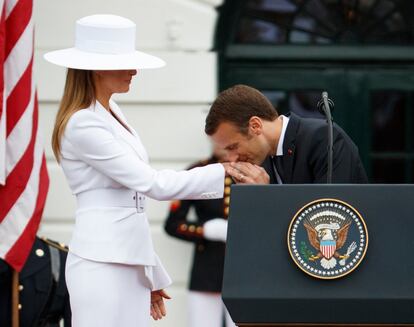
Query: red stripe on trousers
[17,180]
[17,255]
[16,23]
[19,98]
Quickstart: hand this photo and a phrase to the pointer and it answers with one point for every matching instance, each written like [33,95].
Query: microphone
[324,103]
[325,106]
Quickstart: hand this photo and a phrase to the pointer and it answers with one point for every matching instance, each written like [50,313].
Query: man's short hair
[237,105]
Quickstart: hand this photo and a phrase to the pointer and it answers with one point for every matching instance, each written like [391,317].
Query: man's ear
[255,125]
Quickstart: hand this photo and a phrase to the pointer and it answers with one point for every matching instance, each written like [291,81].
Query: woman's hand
[157,304]
[247,173]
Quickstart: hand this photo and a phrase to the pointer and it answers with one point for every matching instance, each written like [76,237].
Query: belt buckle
[139,202]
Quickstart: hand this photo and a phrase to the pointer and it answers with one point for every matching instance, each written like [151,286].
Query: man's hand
[157,304]
[247,173]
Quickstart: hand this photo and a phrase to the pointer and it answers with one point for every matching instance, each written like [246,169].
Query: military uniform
[43,297]
[208,257]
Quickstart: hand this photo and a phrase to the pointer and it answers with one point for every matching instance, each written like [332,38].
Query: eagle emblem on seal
[327,238]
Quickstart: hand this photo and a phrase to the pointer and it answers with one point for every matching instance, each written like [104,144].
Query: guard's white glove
[215,229]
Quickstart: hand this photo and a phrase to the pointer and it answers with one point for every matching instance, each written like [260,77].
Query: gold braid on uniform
[186,228]
[57,245]
[190,230]
[226,199]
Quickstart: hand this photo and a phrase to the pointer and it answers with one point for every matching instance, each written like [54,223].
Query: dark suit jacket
[208,258]
[304,159]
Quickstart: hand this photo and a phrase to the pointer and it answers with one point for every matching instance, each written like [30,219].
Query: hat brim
[77,59]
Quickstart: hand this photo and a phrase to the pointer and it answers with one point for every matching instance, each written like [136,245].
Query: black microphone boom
[321,104]
[325,106]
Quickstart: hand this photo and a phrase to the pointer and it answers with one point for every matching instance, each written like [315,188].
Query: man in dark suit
[291,149]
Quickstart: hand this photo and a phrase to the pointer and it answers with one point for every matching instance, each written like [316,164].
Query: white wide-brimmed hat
[104,42]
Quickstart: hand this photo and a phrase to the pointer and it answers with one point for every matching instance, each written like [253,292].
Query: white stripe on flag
[21,135]
[10,4]
[18,59]
[18,217]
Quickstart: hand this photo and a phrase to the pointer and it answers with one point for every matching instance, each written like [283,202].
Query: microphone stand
[324,106]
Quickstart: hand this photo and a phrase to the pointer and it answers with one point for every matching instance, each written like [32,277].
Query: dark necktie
[278,164]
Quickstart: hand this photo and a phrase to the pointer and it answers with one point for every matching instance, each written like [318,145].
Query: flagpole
[15,299]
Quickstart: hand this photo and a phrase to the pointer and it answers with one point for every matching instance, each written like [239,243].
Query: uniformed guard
[208,232]
[43,297]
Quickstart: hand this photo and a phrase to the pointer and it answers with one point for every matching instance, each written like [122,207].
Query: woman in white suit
[113,275]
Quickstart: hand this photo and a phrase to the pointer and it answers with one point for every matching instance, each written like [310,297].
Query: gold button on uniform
[227,190]
[40,252]
[227,200]
[228,181]
[226,211]
[191,228]
[183,227]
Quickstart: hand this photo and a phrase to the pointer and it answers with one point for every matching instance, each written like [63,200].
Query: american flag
[24,181]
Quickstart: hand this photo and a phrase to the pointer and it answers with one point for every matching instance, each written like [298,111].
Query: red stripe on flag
[17,22]
[17,180]
[16,257]
[19,98]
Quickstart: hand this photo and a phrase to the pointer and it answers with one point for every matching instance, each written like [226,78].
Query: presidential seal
[327,238]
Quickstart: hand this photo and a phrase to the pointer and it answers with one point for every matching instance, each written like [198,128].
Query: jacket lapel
[120,115]
[131,138]
[289,145]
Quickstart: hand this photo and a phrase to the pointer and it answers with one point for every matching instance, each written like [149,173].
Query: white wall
[167,106]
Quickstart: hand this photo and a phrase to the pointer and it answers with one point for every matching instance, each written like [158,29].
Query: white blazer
[105,166]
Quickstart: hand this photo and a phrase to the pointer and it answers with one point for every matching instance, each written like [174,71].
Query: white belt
[110,197]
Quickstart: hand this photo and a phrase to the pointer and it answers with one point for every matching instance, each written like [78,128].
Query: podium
[264,286]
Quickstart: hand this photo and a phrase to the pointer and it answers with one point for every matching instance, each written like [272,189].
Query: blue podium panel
[263,284]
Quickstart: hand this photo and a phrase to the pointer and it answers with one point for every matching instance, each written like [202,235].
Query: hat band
[104,47]
[105,40]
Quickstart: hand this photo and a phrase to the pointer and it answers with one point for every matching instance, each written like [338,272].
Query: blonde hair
[79,93]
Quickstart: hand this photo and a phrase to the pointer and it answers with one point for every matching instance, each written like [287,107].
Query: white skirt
[111,294]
